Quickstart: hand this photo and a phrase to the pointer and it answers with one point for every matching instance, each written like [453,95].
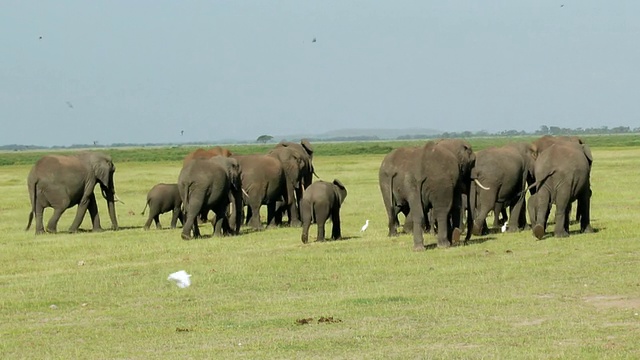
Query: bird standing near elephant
[62,182]
[322,201]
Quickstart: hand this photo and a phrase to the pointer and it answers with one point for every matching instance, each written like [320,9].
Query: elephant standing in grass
[405,168]
[208,185]
[264,181]
[297,163]
[163,198]
[321,201]
[61,182]
[505,171]
[562,173]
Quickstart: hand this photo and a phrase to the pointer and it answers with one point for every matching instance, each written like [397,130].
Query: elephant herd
[443,187]
[213,180]
[443,183]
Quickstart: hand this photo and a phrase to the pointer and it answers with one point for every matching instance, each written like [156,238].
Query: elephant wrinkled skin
[61,182]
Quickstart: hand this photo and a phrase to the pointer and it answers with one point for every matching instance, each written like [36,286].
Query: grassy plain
[502,296]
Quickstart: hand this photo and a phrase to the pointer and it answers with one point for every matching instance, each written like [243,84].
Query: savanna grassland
[261,295]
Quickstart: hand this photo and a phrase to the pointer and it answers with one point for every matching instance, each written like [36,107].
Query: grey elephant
[297,163]
[404,169]
[211,185]
[61,182]
[431,181]
[264,182]
[163,198]
[562,173]
[544,142]
[505,171]
[322,201]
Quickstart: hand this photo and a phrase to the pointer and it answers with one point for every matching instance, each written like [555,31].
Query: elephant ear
[587,152]
[341,191]
[103,169]
[307,146]
[339,184]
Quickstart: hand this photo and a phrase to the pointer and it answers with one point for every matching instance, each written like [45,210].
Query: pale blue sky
[142,71]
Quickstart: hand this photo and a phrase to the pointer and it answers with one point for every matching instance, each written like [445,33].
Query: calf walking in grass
[321,201]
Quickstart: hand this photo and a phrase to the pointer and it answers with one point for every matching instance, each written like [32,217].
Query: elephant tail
[145,208]
[32,198]
[536,184]
[392,200]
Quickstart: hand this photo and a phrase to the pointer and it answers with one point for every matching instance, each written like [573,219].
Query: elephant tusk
[245,192]
[480,185]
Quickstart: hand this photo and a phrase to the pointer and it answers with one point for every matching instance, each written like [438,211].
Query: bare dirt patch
[612,301]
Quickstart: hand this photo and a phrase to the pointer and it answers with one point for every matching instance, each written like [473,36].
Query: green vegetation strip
[177,153]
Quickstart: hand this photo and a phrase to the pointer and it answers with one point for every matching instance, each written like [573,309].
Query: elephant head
[340,190]
[102,168]
[465,155]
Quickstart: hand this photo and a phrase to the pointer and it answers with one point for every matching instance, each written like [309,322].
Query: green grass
[502,296]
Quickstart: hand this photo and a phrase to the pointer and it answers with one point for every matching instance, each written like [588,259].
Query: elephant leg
[82,210]
[305,214]
[543,203]
[445,229]
[585,213]
[335,230]
[393,223]
[149,220]
[52,225]
[271,214]
[517,212]
[417,214]
[563,208]
[294,210]
[497,210]
[156,219]
[407,227]
[175,214]
[39,219]
[486,202]
[93,213]
[219,225]
[321,220]
[255,221]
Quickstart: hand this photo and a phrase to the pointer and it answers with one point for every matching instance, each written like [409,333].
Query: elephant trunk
[109,194]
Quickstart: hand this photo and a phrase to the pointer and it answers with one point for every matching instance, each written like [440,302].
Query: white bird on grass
[504,226]
[365,226]
[181,278]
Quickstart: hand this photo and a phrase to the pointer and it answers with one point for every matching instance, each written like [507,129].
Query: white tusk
[245,193]
[479,184]
[116,198]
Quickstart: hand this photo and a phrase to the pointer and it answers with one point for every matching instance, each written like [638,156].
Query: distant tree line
[543,130]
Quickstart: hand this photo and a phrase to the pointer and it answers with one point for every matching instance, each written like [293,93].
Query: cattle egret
[504,227]
[181,278]
[365,226]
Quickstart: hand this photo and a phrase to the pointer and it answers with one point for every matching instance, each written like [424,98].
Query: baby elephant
[320,201]
[163,198]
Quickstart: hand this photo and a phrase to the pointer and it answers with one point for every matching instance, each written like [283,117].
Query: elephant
[428,178]
[402,164]
[546,141]
[211,185]
[506,171]
[322,200]
[562,173]
[264,182]
[61,182]
[297,163]
[163,198]
[206,154]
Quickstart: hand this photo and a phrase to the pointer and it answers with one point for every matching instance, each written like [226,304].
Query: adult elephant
[201,153]
[505,171]
[61,182]
[264,182]
[297,163]
[401,164]
[562,173]
[211,185]
[544,142]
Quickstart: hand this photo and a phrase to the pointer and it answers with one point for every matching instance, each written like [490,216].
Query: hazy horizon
[74,72]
